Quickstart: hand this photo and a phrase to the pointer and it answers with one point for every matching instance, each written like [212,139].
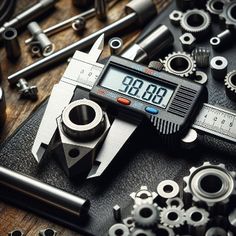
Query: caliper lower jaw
[77,151]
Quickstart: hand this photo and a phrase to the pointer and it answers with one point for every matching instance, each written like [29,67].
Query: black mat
[144,161]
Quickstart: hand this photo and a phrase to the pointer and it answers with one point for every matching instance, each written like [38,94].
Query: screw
[26,91]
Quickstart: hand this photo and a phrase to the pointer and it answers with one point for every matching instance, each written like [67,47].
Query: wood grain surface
[19,109]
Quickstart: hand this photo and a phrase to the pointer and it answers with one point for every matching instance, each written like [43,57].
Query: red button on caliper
[123,101]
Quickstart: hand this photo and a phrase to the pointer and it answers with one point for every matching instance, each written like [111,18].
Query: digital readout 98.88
[150,92]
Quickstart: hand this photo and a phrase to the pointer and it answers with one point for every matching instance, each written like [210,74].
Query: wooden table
[18,109]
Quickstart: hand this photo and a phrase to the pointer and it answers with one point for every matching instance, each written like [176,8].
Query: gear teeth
[230,87]
[230,21]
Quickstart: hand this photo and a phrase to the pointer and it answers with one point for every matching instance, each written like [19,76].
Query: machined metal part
[216,231]
[117,213]
[79,24]
[197,220]
[48,232]
[16,232]
[168,189]
[176,201]
[11,44]
[101,9]
[222,40]
[151,45]
[35,50]
[145,215]
[197,22]
[142,232]
[42,196]
[82,127]
[210,184]
[139,12]
[172,217]
[228,14]
[190,140]
[119,229]
[129,222]
[232,219]
[26,91]
[156,65]
[180,63]
[201,77]
[175,17]
[187,41]
[28,15]
[230,85]
[202,56]
[115,45]
[47,47]
[215,7]
[3,113]
[143,196]
[219,67]
[164,230]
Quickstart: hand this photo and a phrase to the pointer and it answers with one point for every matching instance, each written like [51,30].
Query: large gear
[145,215]
[180,64]
[230,85]
[228,15]
[172,216]
[197,22]
[210,184]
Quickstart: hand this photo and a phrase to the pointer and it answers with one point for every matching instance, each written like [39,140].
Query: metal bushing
[230,85]
[201,77]
[119,229]
[202,56]
[83,120]
[48,232]
[176,201]
[16,232]
[219,67]
[168,189]
[180,64]
[215,7]
[145,215]
[172,217]
[187,41]
[115,45]
[129,222]
[197,22]
[175,17]
[228,15]
[210,184]
[11,43]
[145,10]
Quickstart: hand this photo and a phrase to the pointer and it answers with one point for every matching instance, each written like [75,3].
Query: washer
[219,67]
[201,77]
[168,189]
[119,229]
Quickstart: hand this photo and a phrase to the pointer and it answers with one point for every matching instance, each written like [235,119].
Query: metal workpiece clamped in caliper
[80,133]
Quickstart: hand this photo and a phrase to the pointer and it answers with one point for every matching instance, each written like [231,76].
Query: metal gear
[180,64]
[197,216]
[172,216]
[138,232]
[210,184]
[228,15]
[215,7]
[230,85]
[197,22]
[145,215]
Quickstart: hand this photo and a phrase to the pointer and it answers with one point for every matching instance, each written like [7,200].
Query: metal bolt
[26,91]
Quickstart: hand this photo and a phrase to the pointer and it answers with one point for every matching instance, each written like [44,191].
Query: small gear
[228,15]
[215,7]
[172,216]
[210,184]
[138,232]
[145,215]
[180,64]
[230,85]
[197,22]
[197,216]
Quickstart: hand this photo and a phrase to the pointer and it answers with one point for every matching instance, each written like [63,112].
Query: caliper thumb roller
[138,12]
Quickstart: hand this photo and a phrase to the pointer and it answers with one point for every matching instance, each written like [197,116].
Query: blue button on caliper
[152,110]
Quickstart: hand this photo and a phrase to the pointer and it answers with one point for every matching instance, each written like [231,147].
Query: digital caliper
[130,91]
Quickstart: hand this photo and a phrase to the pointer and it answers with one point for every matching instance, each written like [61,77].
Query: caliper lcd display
[136,86]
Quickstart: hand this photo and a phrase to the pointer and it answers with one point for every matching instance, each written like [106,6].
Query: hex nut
[16,232]
[175,17]
[187,41]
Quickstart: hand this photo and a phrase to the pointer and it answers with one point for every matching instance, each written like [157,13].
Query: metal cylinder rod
[29,14]
[69,50]
[65,24]
[44,194]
